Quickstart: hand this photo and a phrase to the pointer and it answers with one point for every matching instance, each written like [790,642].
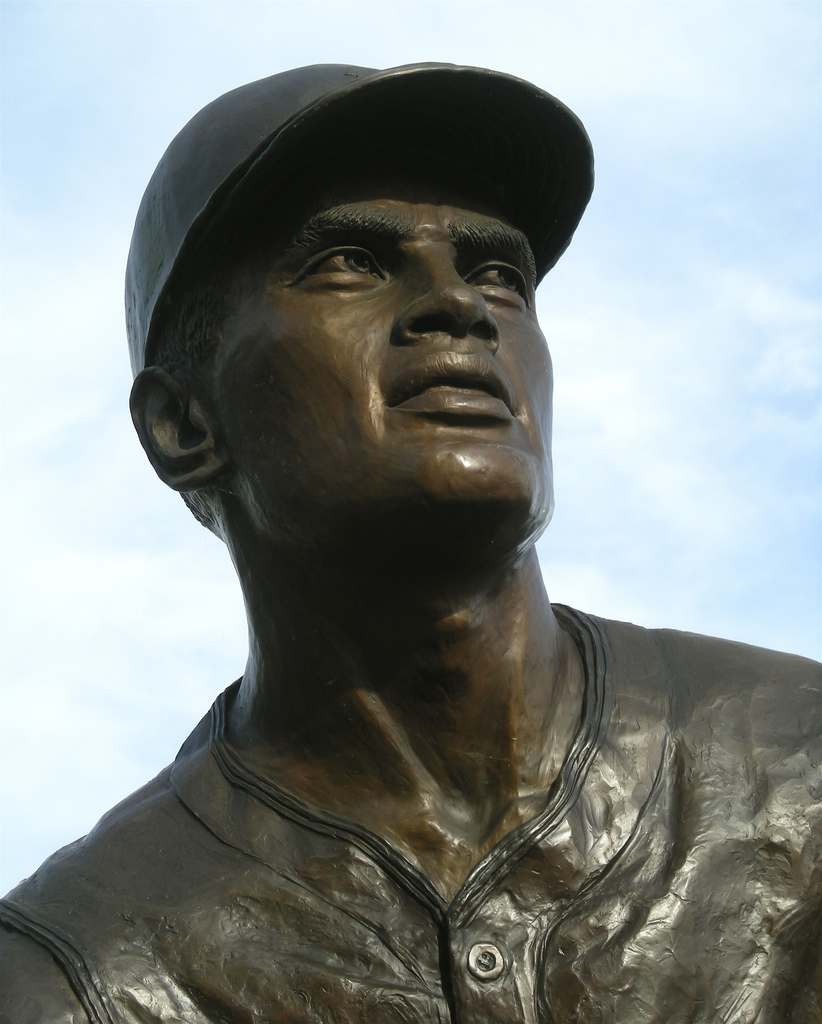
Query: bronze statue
[432,796]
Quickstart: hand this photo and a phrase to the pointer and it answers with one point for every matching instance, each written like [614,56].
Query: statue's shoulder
[41,968]
[696,668]
[710,664]
[762,707]
[775,698]
[70,920]
[732,707]
[111,852]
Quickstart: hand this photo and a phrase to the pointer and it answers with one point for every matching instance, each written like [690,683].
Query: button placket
[484,976]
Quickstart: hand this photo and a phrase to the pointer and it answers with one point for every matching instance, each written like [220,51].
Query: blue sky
[684,323]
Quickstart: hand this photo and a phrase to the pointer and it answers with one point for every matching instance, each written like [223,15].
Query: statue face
[390,365]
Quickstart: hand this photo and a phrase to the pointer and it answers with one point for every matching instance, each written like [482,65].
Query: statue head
[330,308]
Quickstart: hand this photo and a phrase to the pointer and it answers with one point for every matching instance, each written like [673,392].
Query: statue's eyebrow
[356,219]
[362,221]
[492,234]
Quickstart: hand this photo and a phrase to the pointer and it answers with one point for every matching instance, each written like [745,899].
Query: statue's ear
[174,430]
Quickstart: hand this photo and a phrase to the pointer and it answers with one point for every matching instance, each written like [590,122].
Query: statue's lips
[453,384]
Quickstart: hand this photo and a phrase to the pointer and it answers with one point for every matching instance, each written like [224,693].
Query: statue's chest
[644,938]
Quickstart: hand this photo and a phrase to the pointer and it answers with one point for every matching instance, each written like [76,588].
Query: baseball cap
[528,150]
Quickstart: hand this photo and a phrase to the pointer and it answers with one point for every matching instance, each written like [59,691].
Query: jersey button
[485,961]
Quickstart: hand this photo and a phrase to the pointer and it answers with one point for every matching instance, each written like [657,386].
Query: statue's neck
[412,715]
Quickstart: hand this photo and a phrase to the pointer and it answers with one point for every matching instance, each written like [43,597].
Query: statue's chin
[463,519]
[484,474]
[453,508]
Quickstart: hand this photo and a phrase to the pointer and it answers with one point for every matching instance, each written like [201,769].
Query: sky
[684,324]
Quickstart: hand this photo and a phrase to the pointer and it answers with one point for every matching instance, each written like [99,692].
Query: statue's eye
[500,277]
[359,261]
[346,261]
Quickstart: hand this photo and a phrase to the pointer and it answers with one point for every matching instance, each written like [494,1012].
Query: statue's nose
[450,306]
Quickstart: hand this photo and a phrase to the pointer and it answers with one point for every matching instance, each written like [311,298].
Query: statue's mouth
[453,384]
